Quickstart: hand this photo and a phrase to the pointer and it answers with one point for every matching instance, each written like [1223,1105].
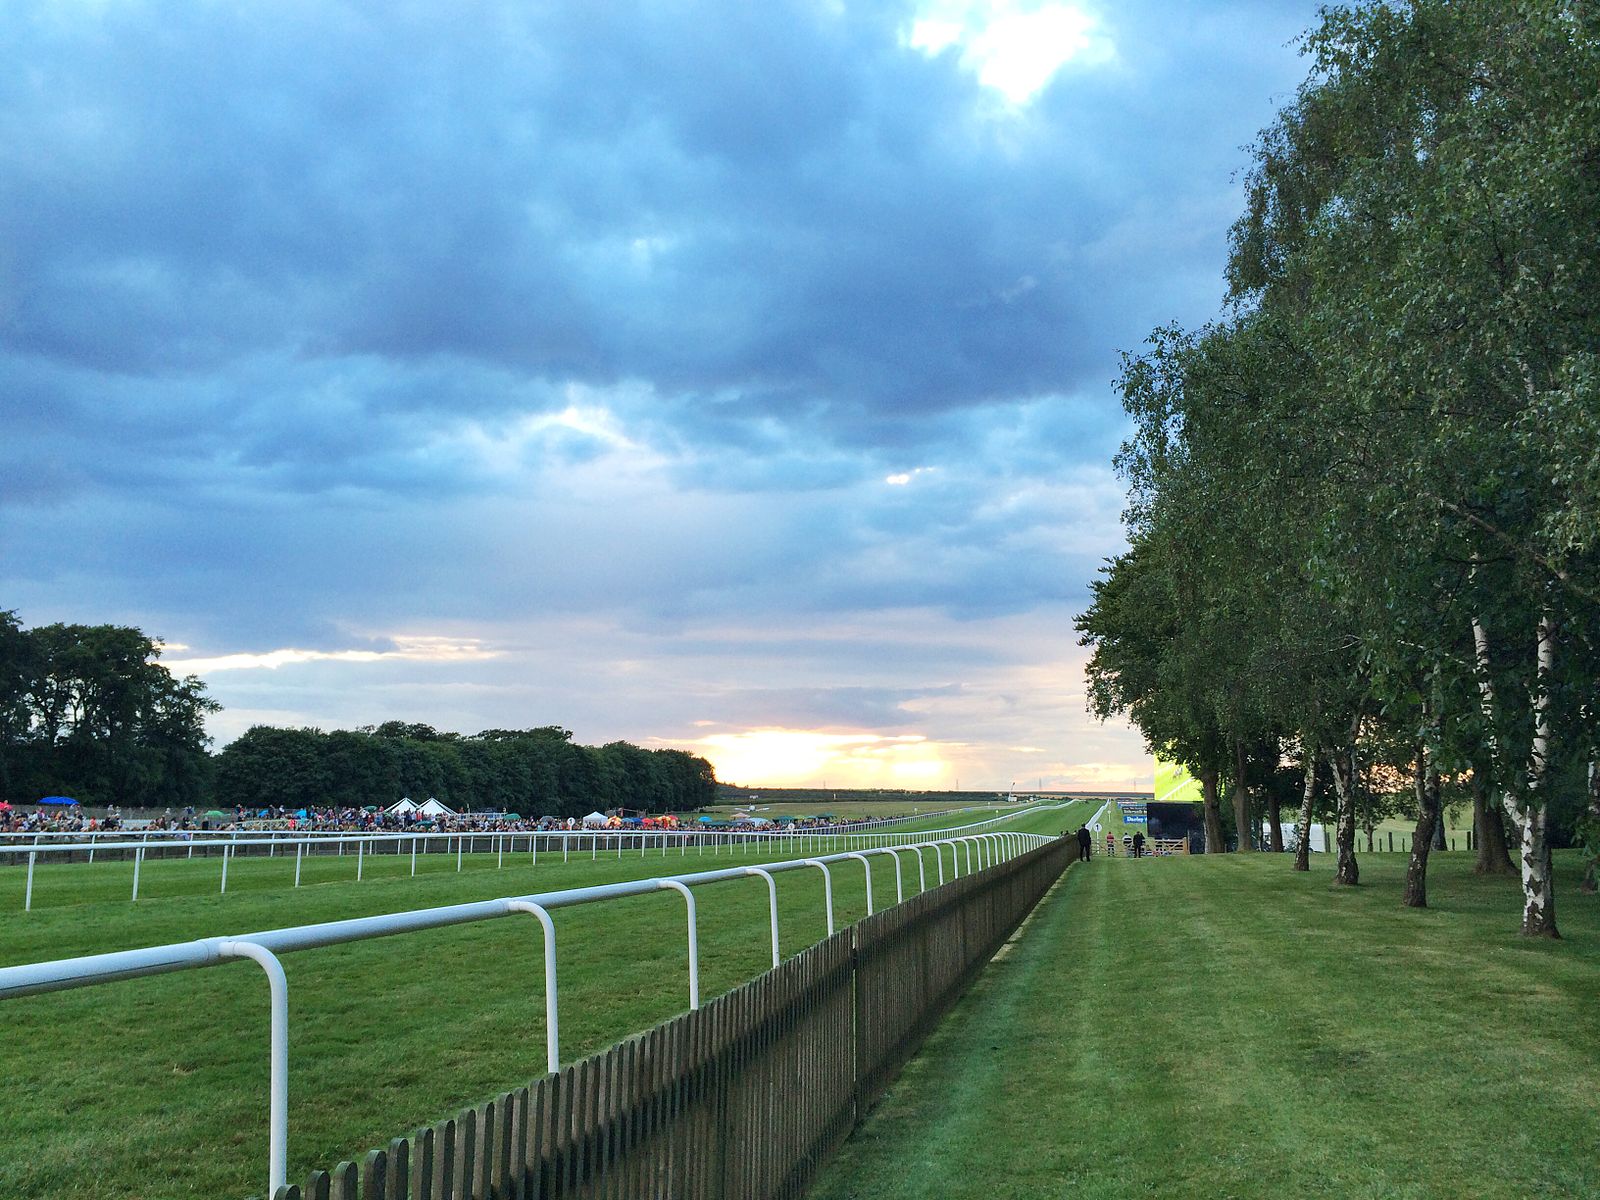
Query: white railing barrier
[93,834]
[264,947]
[376,841]
[88,840]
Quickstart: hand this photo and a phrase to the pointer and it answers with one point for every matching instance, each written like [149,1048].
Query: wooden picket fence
[743,1099]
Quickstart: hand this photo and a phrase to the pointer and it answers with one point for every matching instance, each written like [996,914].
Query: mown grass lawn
[156,1087]
[1221,1027]
[858,810]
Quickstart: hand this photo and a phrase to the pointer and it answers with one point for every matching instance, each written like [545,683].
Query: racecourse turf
[156,1087]
[1221,1027]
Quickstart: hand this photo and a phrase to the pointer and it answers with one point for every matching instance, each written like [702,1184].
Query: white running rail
[972,851]
[360,846]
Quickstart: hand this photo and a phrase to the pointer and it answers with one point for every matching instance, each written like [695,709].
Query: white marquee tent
[428,808]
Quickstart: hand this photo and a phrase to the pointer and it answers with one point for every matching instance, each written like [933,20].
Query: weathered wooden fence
[742,1099]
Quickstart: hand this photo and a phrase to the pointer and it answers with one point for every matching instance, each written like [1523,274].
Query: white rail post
[899,882]
[552,1034]
[299,850]
[922,871]
[694,939]
[460,842]
[413,854]
[938,857]
[278,1055]
[27,899]
[138,861]
[500,851]
[226,846]
[772,899]
[856,854]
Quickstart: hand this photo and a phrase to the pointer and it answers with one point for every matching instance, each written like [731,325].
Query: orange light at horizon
[790,757]
[777,757]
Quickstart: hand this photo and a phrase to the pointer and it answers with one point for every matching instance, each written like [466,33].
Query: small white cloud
[904,477]
[1014,47]
[1018,289]
[407,649]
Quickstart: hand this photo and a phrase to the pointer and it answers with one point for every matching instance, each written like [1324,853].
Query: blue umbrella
[58,800]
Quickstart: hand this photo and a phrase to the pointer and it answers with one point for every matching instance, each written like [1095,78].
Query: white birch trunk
[1527,811]
[1345,869]
[1302,826]
[1590,883]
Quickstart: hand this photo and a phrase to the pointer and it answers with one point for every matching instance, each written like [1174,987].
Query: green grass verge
[1222,1027]
[157,1087]
[58,883]
[854,810]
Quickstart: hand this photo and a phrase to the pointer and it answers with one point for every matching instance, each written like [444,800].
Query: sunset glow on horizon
[799,757]
[823,758]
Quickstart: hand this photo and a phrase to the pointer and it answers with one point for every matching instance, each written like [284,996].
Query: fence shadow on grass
[743,1099]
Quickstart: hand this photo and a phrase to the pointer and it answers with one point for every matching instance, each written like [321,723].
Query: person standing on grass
[1138,844]
[1083,841]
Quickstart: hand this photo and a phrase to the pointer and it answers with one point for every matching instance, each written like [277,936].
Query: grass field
[59,883]
[157,1087]
[1222,1027]
[858,810]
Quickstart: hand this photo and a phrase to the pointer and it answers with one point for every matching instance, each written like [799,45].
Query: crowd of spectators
[366,820]
[376,820]
[47,820]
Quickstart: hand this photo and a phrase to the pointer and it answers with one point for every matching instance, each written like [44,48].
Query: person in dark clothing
[1138,845]
[1083,841]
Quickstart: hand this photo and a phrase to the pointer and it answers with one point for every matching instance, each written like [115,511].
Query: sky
[727,376]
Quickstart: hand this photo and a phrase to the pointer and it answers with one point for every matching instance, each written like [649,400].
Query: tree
[1422,217]
[89,710]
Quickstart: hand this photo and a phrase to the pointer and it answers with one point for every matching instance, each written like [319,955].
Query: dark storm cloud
[282,287]
[770,202]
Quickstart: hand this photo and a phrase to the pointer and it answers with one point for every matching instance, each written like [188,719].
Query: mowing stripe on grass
[1218,1026]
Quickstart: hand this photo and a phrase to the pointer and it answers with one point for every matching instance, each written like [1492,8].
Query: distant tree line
[87,711]
[528,771]
[1364,503]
